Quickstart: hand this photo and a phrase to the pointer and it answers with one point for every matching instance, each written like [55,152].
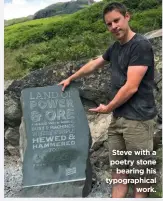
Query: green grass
[38,43]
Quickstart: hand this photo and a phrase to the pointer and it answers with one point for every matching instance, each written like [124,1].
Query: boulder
[12,136]
[12,111]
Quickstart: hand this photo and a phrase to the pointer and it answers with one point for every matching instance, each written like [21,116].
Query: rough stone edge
[22,139]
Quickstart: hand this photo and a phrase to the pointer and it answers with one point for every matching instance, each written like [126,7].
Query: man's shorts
[134,136]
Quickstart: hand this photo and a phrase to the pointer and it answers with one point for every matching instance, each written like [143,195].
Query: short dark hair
[114,6]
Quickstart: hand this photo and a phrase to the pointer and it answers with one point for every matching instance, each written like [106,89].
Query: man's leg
[141,194]
[119,190]
[116,142]
[138,136]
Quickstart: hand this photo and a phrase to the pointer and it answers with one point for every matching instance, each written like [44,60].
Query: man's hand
[65,83]
[101,109]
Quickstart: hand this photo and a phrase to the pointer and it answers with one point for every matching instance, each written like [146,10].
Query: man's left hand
[101,109]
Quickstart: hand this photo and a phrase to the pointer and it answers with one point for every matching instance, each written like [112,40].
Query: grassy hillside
[17,20]
[39,43]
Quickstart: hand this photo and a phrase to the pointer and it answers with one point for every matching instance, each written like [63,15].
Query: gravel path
[12,176]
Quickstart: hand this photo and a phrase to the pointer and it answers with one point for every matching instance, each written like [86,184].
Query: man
[132,104]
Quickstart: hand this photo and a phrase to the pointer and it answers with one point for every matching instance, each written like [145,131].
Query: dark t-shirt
[137,51]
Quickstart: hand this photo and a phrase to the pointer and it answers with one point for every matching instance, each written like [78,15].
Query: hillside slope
[17,20]
[61,8]
[81,35]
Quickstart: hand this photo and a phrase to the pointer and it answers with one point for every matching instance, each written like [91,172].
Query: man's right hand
[65,83]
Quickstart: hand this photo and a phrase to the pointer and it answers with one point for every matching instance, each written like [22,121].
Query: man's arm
[85,70]
[141,56]
[88,68]
[134,77]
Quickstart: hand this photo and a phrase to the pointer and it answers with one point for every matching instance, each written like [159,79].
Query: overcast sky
[23,8]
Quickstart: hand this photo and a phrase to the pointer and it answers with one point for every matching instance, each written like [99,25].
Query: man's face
[117,24]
